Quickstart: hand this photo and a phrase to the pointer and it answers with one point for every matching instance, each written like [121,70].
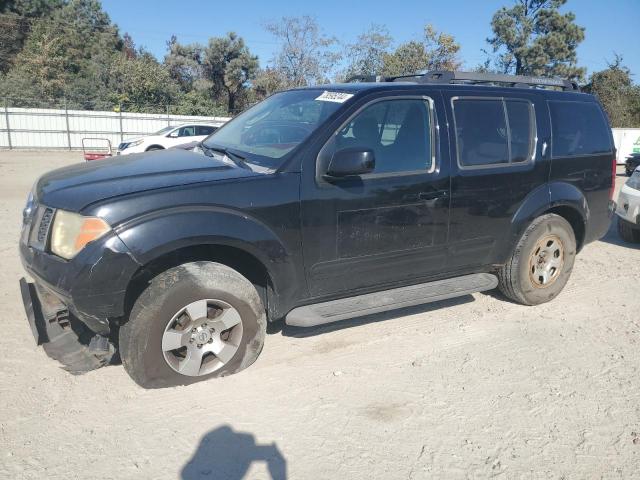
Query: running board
[336,310]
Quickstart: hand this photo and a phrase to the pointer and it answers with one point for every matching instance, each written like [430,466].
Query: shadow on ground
[226,454]
[300,332]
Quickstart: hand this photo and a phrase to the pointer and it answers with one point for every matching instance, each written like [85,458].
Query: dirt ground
[470,388]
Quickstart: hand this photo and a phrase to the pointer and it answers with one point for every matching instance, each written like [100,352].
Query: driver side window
[187,131]
[398,132]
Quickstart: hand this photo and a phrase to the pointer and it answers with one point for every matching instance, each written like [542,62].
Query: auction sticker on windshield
[337,97]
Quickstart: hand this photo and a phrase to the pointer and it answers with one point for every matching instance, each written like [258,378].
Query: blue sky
[612,25]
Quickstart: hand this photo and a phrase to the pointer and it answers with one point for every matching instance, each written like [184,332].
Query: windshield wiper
[234,157]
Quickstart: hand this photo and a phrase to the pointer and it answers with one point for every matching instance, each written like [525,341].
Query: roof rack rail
[444,77]
[523,81]
[365,78]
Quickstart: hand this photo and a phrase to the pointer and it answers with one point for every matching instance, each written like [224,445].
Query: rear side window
[205,130]
[578,128]
[493,131]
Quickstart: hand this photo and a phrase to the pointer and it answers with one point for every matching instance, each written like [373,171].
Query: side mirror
[350,162]
[174,134]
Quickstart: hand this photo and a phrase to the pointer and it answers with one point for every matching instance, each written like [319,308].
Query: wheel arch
[155,146]
[240,260]
[560,198]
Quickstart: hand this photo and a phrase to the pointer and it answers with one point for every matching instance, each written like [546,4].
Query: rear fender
[541,200]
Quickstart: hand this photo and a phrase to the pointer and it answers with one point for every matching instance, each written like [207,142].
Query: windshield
[265,133]
[164,130]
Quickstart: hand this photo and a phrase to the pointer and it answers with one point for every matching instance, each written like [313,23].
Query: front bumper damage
[63,337]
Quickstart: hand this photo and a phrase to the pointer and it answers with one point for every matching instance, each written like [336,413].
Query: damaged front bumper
[73,305]
[62,336]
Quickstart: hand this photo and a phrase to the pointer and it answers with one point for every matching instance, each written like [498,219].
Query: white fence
[627,141]
[31,128]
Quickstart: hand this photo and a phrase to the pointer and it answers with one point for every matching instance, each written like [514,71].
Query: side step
[335,310]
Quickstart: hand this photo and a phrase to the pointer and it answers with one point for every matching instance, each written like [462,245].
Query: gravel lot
[474,387]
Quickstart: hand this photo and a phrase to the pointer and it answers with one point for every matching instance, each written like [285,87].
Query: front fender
[161,232]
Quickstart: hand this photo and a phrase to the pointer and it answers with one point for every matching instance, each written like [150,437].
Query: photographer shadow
[225,454]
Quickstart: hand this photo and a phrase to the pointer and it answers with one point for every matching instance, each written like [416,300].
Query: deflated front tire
[193,322]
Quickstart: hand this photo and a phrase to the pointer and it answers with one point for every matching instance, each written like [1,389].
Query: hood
[74,187]
[135,139]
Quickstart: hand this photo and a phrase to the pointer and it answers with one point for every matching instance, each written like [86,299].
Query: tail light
[614,165]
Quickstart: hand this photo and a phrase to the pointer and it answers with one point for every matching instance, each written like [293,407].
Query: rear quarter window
[578,128]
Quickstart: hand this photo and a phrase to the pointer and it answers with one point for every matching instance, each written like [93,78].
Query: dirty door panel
[387,226]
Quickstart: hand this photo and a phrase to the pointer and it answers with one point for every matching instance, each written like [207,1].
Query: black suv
[316,205]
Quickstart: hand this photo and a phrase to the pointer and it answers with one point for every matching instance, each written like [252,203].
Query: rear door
[388,226]
[500,144]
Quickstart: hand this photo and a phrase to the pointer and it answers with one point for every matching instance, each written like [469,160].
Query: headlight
[71,232]
[28,208]
[132,144]
[634,180]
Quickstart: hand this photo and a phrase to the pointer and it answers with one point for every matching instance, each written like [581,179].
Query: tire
[520,278]
[142,338]
[154,147]
[628,232]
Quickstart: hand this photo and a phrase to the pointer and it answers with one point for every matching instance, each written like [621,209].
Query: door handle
[436,194]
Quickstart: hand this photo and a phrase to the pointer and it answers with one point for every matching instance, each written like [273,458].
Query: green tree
[141,84]
[306,56]
[16,18]
[534,38]
[366,55]
[435,51]
[617,94]
[408,58]
[67,58]
[230,66]
[184,63]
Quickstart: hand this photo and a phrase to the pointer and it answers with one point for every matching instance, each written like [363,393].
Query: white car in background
[628,208]
[168,137]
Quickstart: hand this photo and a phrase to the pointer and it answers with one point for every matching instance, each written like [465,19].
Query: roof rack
[447,77]
[522,81]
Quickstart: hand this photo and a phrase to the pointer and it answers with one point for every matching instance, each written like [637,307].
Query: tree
[267,81]
[16,18]
[617,93]
[435,51]
[63,58]
[306,55]
[141,84]
[442,50]
[184,63]
[534,38]
[407,59]
[230,66]
[366,55]
[129,47]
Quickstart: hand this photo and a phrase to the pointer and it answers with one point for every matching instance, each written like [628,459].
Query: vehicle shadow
[613,237]
[301,332]
[226,454]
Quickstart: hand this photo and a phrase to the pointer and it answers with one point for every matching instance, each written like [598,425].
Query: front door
[386,227]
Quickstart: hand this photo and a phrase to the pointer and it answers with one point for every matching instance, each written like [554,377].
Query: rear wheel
[541,263]
[193,322]
[628,231]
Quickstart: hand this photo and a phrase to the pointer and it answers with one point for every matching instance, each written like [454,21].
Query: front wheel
[193,322]
[628,231]
[541,263]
